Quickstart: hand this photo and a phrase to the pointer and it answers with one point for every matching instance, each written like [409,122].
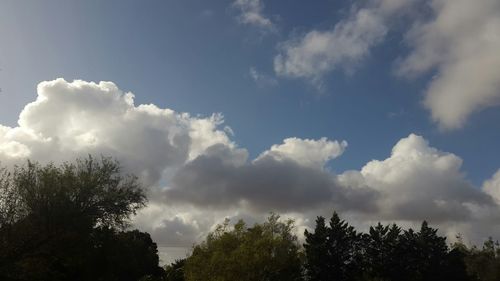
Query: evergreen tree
[341,249]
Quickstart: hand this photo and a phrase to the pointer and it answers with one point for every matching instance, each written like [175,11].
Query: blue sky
[194,56]
[368,72]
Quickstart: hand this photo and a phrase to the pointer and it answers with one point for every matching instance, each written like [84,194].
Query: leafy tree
[175,271]
[484,263]
[267,251]
[60,220]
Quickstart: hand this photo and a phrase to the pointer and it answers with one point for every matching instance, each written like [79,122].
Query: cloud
[251,14]
[281,179]
[70,119]
[460,42]
[307,152]
[262,80]
[418,182]
[197,175]
[319,52]
[492,186]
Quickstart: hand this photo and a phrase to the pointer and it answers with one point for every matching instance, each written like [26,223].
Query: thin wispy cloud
[251,13]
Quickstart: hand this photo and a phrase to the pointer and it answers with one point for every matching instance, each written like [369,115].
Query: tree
[333,252]
[60,218]
[379,255]
[484,263]
[175,271]
[267,251]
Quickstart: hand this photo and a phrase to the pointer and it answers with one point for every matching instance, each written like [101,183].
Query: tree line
[334,250]
[71,222]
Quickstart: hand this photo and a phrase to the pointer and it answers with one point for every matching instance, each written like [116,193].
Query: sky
[385,110]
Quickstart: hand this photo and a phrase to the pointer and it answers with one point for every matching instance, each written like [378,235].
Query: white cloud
[419,182]
[251,13]
[74,119]
[492,186]
[308,152]
[460,42]
[316,53]
[200,176]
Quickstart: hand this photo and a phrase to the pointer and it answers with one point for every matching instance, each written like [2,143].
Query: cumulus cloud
[308,152]
[419,182]
[318,52]
[492,186]
[460,42]
[416,182]
[70,119]
[199,175]
[251,13]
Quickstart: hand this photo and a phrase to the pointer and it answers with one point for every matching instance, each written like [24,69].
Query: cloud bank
[196,175]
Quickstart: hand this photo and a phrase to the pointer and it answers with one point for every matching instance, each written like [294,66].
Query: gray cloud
[267,183]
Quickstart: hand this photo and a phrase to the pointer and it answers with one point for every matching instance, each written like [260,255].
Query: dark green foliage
[386,253]
[380,257]
[333,252]
[175,271]
[483,264]
[421,255]
[267,251]
[66,223]
[69,222]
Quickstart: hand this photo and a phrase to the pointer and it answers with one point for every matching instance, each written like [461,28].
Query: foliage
[484,263]
[69,222]
[175,271]
[334,251]
[267,251]
[66,223]
[338,252]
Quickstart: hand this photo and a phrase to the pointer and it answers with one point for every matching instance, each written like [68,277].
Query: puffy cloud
[318,52]
[418,182]
[492,186]
[307,152]
[80,118]
[460,42]
[251,13]
[200,175]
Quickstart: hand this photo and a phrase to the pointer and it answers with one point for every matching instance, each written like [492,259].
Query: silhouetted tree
[340,247]
[66,223]
[379,257]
